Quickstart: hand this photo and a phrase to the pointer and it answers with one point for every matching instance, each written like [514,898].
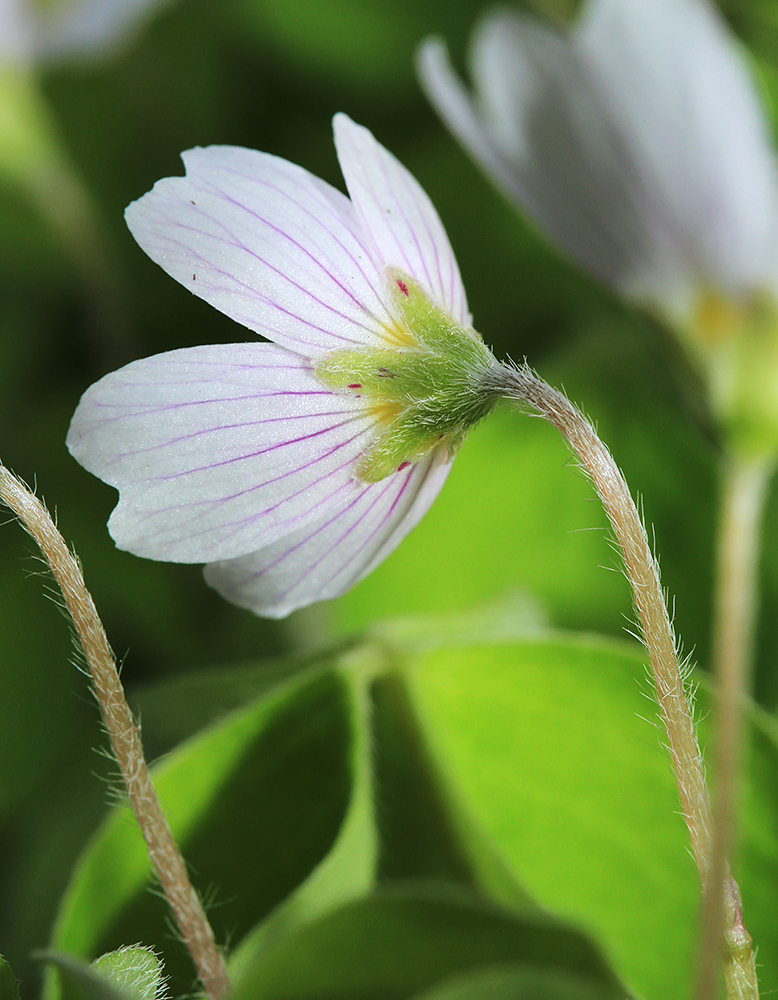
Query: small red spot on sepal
[403,287]
[403,465]
[355,385]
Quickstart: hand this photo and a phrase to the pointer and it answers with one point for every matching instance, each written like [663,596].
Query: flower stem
[744,489]
[643,576]
[674,703]
[123,733]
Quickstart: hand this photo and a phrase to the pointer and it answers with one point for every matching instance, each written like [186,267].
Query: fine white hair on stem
[123,732]
[670,671]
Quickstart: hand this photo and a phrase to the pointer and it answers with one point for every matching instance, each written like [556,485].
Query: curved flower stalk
[292,468]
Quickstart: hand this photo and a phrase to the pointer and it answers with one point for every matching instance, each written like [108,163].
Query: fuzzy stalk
[124,735]
[521,384]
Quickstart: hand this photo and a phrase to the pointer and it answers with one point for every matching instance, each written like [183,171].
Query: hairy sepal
[428,390]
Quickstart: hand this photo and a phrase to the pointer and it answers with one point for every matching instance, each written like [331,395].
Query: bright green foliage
[429,389]
[527,770]
[517,982]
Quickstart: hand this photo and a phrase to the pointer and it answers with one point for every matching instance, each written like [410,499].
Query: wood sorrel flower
[291,468]
[635,141]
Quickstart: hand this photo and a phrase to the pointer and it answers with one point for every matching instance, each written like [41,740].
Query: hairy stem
[643,574]
[124,735]
[744,489]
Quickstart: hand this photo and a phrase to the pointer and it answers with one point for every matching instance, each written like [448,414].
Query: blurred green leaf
[255,803]
[349,870]
[406,939]
[80,981]
[545,742]
[400,823]
[133,969]
[516,982]
[9,989]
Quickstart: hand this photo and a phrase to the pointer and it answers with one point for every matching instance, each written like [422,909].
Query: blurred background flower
[637,143]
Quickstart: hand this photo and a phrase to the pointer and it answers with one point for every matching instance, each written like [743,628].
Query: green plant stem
[123,733]
[66,204]
[643,576]
[744,490]
[674,702]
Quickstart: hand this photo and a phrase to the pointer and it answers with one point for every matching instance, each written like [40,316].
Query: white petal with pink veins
[218,451]
[539,129]
[325,559]
[269,245]
[399,216]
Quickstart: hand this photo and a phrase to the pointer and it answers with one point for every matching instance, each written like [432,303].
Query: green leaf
[423,832]
[516,982]
[175,708]
[407,939]
[9,989]
[255,803]
[133,969]
[554,748]
[400,823]
[349,870]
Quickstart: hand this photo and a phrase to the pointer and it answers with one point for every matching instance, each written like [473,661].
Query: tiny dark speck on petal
[191,202]
[194,277]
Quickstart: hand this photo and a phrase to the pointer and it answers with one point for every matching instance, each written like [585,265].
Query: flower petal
[90,29]
[399,216]
[681,96]
[325,559]
[16,34]
[269,245]
[540,130]
[218,451]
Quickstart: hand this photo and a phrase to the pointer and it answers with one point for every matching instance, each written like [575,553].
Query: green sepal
[426,392]
[133,969]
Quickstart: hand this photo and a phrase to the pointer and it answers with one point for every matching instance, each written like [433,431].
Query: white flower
[56,30]
[635,141]
[291,468]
